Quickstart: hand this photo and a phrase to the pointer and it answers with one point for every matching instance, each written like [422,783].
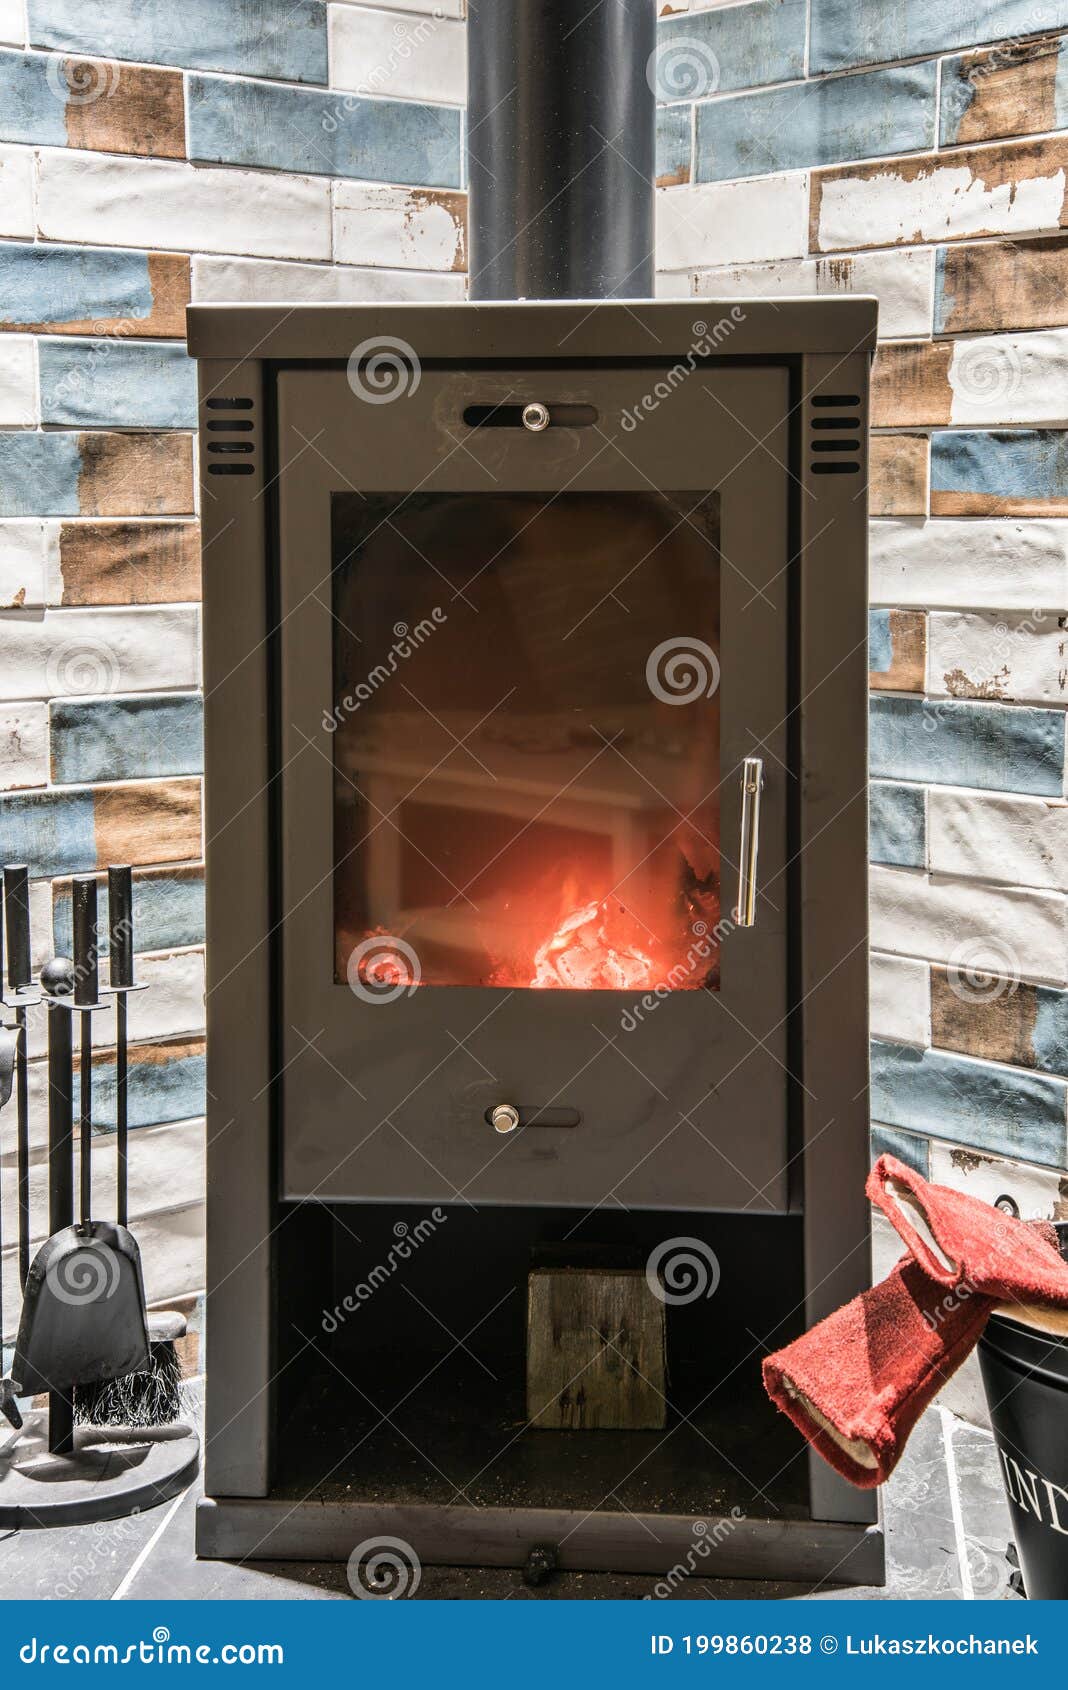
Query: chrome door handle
[749,844]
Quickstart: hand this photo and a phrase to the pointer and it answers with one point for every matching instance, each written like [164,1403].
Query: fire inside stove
[526,741]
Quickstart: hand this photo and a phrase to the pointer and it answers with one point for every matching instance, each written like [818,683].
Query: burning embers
[580,955]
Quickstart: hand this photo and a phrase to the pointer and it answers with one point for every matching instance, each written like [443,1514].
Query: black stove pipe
[561,148]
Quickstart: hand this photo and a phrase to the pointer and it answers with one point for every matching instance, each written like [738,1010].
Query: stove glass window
[525,726]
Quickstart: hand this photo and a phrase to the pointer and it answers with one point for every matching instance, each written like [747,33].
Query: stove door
[534,776]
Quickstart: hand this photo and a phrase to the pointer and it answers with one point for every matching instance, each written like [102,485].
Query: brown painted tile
[138,110]
[897,477]
[1003,91]
[129,562]
[150,822]
[908,644]
[169,280]
[1002,285]
[996,1025]
[135,474]
[910,384]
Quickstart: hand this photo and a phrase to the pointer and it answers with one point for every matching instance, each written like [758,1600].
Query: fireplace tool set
[110,1372]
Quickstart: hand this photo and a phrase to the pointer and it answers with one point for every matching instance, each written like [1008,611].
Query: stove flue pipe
[561,140]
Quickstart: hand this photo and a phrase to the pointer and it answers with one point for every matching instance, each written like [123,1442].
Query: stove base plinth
[277,1528]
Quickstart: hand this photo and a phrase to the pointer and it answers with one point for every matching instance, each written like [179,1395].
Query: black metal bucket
[1025,1374]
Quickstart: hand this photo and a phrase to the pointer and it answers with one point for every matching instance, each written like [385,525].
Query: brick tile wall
[253,149]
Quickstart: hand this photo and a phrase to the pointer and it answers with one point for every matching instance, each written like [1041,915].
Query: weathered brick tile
[1000,1018]
[404,228]
[1011,565]
[674,146]
[232,121]
[1037,1193]
[420,58]
[18,382]
[900,999]
[970,1102]
[897,650]
[901,280]
[16,192]
[158,822]
[969,925]
[1015,188]
[23,746]
[168,909]
[983,836]
[109,201]
[1002,285]
[1000,472]
[117,383]
[13,22]
[1015,89]
[53,101]
[718,51]
[80,290]
[897,475]
[999,747]
[127,563]
[167,1083]
[731,223]
[25,550]
[95,474]
[273,38]
[67,653]
[897,826]
[910,384]
[858,32]
[1000,655]
[817,123]
[50,831]
[264,279]
[915,1152]
[112,739]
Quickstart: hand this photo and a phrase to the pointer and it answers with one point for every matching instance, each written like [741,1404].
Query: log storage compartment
[536,818]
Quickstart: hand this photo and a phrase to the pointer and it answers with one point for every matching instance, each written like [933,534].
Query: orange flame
[580,954]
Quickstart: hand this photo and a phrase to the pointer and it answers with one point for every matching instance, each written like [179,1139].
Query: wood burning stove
[535,677]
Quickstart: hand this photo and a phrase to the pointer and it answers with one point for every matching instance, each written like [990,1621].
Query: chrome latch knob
[536,417]
[505,1118]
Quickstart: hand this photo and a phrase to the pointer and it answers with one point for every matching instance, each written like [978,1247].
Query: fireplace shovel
[83,1315]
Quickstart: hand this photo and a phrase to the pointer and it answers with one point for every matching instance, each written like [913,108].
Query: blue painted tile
[1049,1035]
[849,117]
[860,32]
[278,38]
[897,825]
[1025,463]
[110,739]
[674,144]
[167,1083]
[63,284]
[113,383]
[39,474]
[235,122]
[52,832]
[914,1152]
[998,747]
[880,644]
[168,911]
[32,102]
[742,47]
[979,1104]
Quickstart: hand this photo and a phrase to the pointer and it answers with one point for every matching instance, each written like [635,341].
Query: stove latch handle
[752,785]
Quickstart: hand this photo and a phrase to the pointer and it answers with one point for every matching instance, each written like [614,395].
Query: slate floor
[945,1513]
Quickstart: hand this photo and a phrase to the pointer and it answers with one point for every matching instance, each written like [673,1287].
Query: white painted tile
[987,836]
[172,1252]
[24,552]
[263,279]
[959,921]
[64,653]
[998,655]
[732,222]
[400,228]
[903,282]
[900,1000]
[1038,1193]
[19,405]
[1010,378]
[672,284]
[13,23]
[16,192]
[23,746]
[175,1002]
[107,201]
[942,201]
[418,57]
[435,8]
[989,565]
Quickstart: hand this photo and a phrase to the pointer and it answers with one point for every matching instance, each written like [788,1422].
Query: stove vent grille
[838,434]
[231,437]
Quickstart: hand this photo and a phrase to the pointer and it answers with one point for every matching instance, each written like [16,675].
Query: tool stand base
[111,1473]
